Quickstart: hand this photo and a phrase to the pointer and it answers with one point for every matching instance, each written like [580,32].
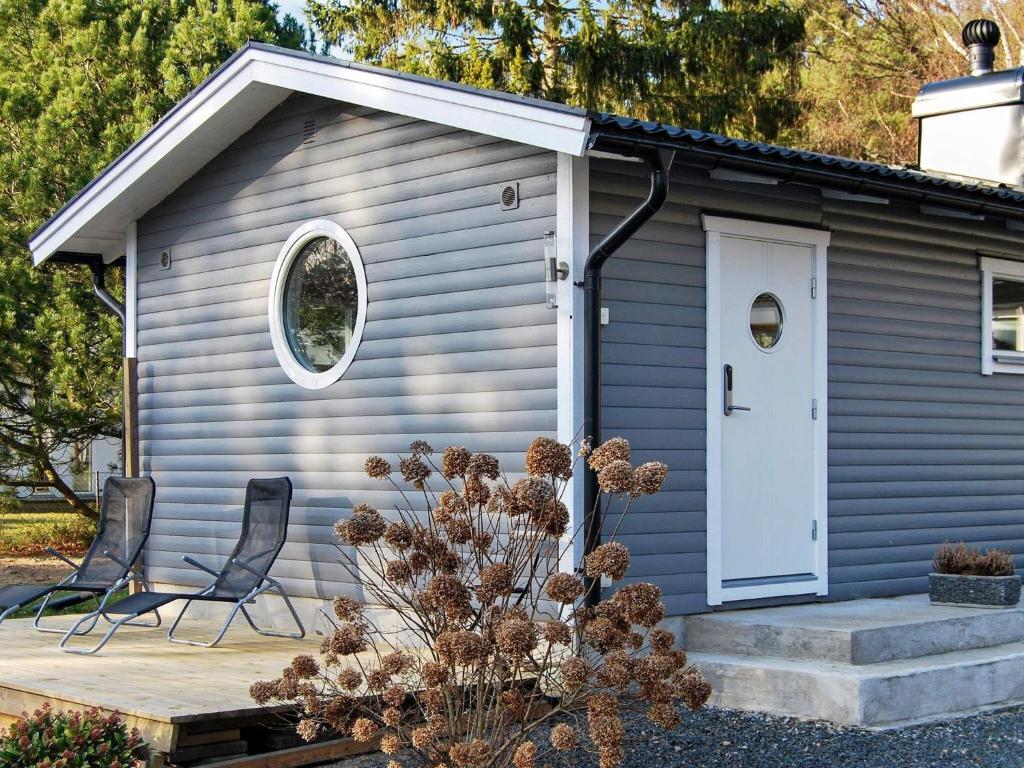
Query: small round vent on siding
[510,196]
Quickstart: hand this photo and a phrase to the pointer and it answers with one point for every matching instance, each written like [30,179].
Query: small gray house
[326,260]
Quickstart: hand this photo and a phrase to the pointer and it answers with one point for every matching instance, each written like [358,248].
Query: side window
[1002,322]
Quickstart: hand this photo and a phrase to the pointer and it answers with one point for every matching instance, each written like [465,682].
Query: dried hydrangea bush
[492,643]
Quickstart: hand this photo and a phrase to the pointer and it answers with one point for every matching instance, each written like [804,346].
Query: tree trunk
[65,490]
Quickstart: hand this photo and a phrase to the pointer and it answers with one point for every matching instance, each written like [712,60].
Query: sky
[294,7]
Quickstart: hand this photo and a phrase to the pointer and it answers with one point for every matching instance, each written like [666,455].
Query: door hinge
[814,530]
[814,287]
[814,408]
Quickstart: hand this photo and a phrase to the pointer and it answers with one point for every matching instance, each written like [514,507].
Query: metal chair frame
[67,585]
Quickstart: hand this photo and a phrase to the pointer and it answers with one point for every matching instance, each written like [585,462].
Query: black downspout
[658,163]
[99,287]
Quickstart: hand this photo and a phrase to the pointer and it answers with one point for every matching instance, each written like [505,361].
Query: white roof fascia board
[242,92]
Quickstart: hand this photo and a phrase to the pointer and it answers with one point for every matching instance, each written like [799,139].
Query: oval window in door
[766,321]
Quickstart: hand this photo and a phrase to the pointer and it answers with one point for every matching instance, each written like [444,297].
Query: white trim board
[572,225]
[715,227]
[239,94]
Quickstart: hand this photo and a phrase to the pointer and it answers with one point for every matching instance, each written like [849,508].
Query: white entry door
[766,410]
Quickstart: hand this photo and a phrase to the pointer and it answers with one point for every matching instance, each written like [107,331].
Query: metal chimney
[981,36]
[972,127]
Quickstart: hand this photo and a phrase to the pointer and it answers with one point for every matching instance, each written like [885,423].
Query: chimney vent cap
[981,32]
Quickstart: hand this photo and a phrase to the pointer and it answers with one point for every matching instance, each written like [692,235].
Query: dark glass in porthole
[766,321]
[320,304]
[1007,314]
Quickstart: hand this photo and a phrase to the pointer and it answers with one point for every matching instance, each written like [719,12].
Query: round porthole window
[317,304]
[766,321]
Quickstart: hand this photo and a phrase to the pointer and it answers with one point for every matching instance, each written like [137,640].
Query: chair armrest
[200,566]
[59,556]
[116,559]
[250,569]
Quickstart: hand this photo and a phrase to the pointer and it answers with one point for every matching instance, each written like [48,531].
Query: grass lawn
[29,533]
[88,605]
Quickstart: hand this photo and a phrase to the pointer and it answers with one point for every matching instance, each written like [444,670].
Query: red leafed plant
[486,641]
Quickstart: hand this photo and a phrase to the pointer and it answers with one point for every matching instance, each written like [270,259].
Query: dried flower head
[422,737]
[503,501]
[420,447]
[347,609]
[516,638]
[563,738]
[433,674]
[454,462]
[398,536]
[305,667]
[648,478]
[661,640]
[460,531]
[349,638]
[615,449]
[463,648]
[364,729]
[533,493]
[263,691]
[414,470]
[476,491]
[378,468]
[396,663]
[496,580]
[472,754]
[398,572]
[365,526]
[482,541]
[564,588]
[586,446]
[391,744]
[605,634]
[575,673]
[663,714]
[349,679]
[338,711]
[616,477]
[694,690]
[447,595]
[611,559]
[640,604]
[616,671]
[377,680]
[552,518]
[308,730]
[513,702]
[547,457]
[525,755]
[432,700]
[556,632]
[394,764]
[484,465]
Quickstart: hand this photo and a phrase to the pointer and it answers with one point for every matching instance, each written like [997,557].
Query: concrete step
[854,632]
[881,695]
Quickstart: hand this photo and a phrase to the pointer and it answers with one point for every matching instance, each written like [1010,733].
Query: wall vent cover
[510,196]
[309,129]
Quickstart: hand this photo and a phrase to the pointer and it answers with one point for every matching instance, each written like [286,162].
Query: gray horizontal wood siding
[459,347]
[922,447]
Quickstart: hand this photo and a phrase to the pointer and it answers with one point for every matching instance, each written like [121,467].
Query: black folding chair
[244,577]
[125,517]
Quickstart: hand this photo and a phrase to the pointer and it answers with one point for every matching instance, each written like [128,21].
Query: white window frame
[279,278]
[993,360]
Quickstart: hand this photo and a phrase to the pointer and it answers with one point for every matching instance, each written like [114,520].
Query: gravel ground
[716,738]
[28,570]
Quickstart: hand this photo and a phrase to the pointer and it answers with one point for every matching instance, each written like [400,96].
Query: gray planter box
[982,591]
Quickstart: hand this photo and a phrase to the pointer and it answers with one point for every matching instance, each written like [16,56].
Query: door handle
[728,407]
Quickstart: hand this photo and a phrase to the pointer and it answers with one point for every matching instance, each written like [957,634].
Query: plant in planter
[490,642]
[966,576]
[87,739]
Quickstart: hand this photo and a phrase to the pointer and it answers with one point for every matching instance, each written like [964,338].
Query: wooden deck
[180,697]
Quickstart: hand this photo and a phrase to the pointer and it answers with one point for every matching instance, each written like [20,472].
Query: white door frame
[715,227]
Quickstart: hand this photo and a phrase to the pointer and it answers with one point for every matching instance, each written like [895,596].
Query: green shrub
[28,534]
[962,560]
[90,739]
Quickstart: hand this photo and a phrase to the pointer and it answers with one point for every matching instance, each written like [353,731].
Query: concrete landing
[872,663]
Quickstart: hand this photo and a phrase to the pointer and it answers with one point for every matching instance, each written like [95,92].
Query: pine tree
[79,81]
[720,65]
